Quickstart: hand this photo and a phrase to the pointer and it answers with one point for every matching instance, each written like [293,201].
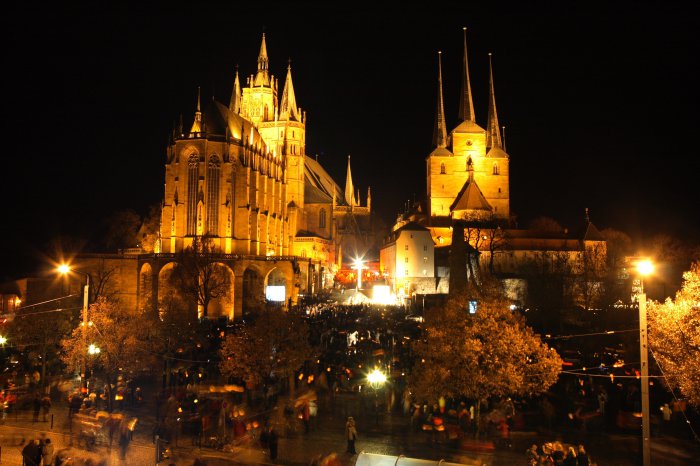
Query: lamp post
[376,379]
[644,268]
[65,269]
[358,265]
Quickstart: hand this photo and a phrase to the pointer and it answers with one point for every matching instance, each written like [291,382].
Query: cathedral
[241,192]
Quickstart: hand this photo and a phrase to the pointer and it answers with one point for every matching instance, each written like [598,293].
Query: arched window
[192,180]
[213,177]
[442,169]
[495,169]
[322,218]
[265,114]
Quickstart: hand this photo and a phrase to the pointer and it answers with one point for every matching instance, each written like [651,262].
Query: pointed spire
[349,189]
[440,130]
[369,198]
[288,105]
[466,104]
[493,131]
[235,104]
[197,123]
[262,77]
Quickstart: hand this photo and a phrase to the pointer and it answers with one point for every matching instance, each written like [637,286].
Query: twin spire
[288,104]
[440,131]
[493,133]
[466,105]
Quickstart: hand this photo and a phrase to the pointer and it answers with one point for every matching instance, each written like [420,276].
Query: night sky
[599,103]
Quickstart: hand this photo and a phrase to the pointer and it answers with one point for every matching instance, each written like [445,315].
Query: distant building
[467,180]
[408,262]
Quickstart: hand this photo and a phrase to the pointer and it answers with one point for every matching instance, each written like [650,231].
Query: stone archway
[221,303]
[170,299]
[253,290]
[276,289]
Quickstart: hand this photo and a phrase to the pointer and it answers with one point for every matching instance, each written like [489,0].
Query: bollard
[51,421]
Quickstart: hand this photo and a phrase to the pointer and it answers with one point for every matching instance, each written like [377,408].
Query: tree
[124,341]
[198,274]
[39,329]
[674,336]
[491,353]
[273,346]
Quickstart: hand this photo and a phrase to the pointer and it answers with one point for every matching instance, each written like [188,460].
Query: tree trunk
[477,416]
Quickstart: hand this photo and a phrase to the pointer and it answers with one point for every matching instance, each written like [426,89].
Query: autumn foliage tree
[123,339]
[489,354]
[674,336]
[273,346]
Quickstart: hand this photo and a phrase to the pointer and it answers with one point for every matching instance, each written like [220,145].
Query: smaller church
[467,183]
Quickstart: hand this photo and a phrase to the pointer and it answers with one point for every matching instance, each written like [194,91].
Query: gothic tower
[469,155]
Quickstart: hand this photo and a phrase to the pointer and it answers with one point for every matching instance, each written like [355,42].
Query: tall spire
[235,105]
[262,77]
[440,130]
[349,189]
[197,123]
[466,104]
[493,131]
[288,105]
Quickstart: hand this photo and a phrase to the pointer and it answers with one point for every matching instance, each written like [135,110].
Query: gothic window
[192,180]
[499,190]
[322,218]
[265,117]
[425,247]
[495,169]
[442,169]
[407,247]
[213,177]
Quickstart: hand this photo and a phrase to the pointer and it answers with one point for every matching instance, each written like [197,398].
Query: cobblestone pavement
[380,433]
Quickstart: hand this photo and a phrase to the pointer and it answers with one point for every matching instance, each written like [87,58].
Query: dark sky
[599,101]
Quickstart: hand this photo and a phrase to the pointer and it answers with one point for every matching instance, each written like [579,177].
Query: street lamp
[64,269]
[376,379]
[358,264]
[644,268]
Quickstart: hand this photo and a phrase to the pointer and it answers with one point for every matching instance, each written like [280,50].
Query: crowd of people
[558,454]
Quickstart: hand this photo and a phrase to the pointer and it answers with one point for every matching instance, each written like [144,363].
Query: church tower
[469,156]
[281,123]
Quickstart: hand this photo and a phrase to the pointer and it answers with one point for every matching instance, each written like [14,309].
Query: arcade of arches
[233,287]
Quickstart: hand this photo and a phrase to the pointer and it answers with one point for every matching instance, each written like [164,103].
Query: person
[570,459]
[28,454]
[306,416]
[124,438]
[582,457]
[272,439]
[47,453]
[313,412]
[45,407]
[36,403]
[351,435]
[532,457]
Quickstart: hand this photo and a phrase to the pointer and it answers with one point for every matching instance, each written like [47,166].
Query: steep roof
[470,197]
[316,176]
[468,126]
